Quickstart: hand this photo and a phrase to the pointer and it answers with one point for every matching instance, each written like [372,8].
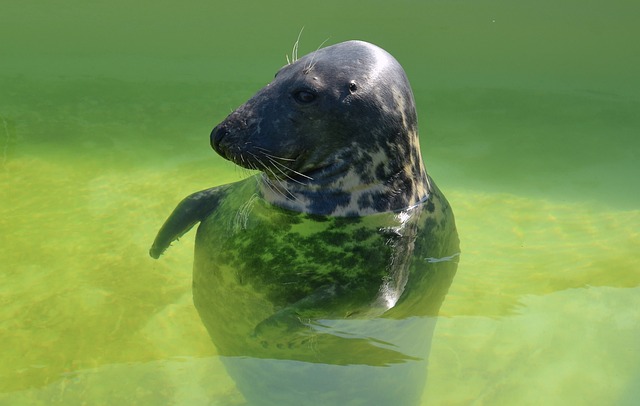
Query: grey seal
[338,254]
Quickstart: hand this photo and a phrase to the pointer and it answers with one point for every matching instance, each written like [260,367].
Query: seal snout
[217,134]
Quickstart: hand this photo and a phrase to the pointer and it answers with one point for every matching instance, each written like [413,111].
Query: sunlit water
[533,141]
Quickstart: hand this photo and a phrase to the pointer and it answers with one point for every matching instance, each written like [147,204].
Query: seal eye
[352,86]
[304,96]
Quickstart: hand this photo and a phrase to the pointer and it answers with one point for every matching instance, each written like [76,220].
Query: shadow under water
[309,309]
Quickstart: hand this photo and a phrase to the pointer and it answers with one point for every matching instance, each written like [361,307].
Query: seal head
[335,133]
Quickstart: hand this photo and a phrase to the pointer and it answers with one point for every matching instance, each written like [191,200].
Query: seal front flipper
[189,212]
[298,332]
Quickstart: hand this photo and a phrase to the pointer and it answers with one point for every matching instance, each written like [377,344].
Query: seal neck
[345,190]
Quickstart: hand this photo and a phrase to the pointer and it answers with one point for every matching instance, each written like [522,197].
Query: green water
[529,117]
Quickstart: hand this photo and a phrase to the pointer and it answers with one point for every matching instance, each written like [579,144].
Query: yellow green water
[529,118]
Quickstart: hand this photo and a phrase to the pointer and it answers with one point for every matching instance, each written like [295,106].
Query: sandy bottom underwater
[543,309]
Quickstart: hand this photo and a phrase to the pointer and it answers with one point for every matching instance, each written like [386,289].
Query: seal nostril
[217,134]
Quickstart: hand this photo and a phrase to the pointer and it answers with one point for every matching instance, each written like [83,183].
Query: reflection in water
[323,309]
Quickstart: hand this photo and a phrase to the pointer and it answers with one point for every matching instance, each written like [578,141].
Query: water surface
[529,122]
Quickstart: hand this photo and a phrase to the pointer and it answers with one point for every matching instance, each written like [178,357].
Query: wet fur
[343,226]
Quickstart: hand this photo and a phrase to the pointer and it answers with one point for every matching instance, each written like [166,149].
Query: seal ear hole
[352,86]
[304,96]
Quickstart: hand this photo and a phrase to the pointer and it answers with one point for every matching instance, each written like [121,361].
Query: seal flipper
[296,333]
[189,212]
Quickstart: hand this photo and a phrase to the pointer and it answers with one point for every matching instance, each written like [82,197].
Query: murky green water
[529,116]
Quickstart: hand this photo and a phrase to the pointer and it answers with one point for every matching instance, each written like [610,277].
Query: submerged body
[307,306]
[319,279]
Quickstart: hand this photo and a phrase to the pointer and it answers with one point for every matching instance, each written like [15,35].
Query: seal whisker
[258,161]
[282,187]
[272,187]
[268,153]
[294,51]
[283,172]
[266,181]
[279,157]
[276,177]
[272,160]
[278,164]
[312,62]
[244,172]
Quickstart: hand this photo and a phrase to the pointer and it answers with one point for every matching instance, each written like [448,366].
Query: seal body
[318,279]
[327,308]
